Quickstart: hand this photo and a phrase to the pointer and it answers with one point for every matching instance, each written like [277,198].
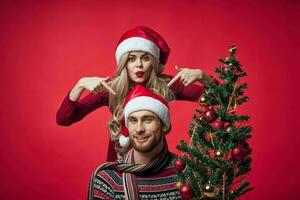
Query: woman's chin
[139,80]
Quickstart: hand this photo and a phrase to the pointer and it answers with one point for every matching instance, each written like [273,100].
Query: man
[147,170]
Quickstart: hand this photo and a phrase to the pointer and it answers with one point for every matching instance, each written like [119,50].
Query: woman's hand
[92,84]
[188,76]
[95,84]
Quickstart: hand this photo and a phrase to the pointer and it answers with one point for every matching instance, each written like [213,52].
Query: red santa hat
[141,98]
[142,38]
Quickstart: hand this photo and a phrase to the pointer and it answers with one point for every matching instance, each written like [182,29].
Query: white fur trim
[124,141]
[137,44]
[148,103]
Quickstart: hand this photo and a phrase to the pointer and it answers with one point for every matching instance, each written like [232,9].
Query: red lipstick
[139,74]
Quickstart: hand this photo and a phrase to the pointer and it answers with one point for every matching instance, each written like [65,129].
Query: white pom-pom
[124,141]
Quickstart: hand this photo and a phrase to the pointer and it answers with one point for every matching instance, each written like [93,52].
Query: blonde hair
[121,85]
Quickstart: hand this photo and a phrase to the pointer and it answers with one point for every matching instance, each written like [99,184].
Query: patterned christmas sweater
[108,184]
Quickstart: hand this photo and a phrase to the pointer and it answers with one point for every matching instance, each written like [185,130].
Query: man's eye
[132,121]
[148,120]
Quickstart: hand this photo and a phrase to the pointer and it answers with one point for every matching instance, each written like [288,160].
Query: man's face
[145,130]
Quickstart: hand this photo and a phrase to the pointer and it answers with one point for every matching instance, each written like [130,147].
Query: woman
[141,55]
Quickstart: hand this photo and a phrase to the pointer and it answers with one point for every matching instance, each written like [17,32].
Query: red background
[47,46]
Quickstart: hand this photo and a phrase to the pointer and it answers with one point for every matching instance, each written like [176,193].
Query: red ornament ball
[209,136]
[179,165]
[210,115]
[217,124]
[216,82]
[238,153]
[186,191]
[246,146]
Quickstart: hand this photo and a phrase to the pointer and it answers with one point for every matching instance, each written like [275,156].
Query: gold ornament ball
[229,128]
[210,194]
[200,120]
[202,101]
[179,184]
[210,191]
[208,188]
[219,153]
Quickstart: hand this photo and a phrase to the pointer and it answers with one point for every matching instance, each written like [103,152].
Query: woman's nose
[139,63]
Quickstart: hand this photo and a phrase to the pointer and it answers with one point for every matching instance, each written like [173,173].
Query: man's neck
[142,158]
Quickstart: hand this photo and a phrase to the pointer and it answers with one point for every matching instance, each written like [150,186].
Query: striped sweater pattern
[108,184]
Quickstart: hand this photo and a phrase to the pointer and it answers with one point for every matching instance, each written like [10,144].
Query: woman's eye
[146,58]
[131,59]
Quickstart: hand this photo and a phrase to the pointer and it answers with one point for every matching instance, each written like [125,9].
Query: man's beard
[149,147]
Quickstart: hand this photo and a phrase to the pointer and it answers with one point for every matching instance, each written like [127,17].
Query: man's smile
[141,138]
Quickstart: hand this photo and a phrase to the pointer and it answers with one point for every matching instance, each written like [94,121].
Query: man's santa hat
[141,98]
[142,38]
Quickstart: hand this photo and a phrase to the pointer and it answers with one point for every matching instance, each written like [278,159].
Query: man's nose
[140,127]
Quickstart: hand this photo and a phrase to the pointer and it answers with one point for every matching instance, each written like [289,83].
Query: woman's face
[139,66]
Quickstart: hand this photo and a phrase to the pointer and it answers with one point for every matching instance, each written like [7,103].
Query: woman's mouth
[139,74]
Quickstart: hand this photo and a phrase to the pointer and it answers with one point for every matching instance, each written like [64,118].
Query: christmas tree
[218,154]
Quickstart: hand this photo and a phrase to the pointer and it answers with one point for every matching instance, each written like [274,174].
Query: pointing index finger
[178,68]
[174,79]
[108,87]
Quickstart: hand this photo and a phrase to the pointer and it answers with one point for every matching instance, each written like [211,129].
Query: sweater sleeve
[73,111]
[191,92]
[101,188]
